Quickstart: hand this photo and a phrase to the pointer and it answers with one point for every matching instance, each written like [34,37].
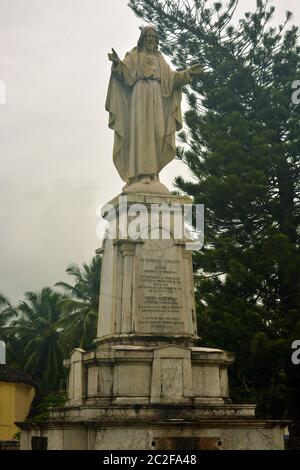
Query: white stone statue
[144,105]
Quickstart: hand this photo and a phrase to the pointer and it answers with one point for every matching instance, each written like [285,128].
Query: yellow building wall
[15,401]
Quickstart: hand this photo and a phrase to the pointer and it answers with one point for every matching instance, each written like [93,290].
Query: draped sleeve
[181,78]
[125,70]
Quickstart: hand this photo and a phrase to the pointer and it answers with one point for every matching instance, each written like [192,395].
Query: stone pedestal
[140,375]
[148,385]
[147,289]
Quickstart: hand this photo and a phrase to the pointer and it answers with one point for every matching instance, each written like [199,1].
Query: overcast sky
[55,146]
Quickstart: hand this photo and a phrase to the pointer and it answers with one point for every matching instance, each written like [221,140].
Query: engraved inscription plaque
[159,288]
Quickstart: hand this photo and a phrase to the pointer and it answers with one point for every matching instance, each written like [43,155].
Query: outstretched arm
[121,69]
[186,76]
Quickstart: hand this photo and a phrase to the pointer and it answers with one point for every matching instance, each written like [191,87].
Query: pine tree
[242,145]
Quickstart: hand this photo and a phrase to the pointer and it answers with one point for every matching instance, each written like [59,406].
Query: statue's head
[148,39]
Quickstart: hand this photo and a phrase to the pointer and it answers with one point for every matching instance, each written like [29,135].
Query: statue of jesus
[144,105]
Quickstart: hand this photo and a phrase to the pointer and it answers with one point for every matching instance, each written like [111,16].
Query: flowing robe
[144,105]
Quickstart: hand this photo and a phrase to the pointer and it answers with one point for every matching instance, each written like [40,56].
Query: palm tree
[6,314]
[3,300]
[80,312]
[38,333]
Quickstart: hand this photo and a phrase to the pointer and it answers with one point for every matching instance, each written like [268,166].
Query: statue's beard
[150,47]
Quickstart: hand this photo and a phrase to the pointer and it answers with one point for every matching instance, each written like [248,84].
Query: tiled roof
[8,374]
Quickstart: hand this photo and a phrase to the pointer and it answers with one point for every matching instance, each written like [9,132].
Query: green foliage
[36,332]
[80,310]
[42,330]
[6,314]
[242,144]
[41,409]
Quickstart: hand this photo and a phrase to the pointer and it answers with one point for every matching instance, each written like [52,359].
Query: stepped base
[149,398]
[154,428]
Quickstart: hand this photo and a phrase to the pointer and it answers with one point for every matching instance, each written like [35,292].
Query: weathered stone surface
[76,377]
[171,375]
[108,295]
[91,435]
[147,284]
[148,374]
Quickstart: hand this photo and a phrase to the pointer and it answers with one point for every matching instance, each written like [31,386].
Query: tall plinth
[147,288]
[149,384]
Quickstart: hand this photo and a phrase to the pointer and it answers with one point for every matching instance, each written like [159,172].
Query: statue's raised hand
[113,57]
[196,70]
